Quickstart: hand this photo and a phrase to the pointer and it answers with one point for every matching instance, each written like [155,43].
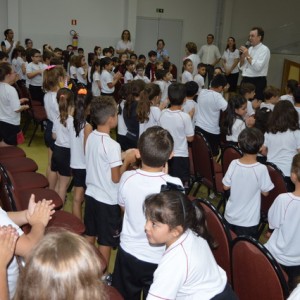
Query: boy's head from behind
[272,93]
[191,88]
[250,140]
[155,146]
[218,81]
[102,108]
[176,93]
[295,170]
[247,89]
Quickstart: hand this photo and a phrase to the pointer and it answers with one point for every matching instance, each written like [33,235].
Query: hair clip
[65,85]
[50,67]
[82,92]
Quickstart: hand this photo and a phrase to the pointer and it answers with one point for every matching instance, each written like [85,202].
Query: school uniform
[237,127]
[35,83]
[282,147]
[199,79]
[180,126]
[95,88]
[80,72]
[189,105]
[52,111]
[283,217]
[195,277]
[140,258]
[154,116]
[77,160]
[207,116]
[186,77]
[102,213]
[246,182]
[60,161]
[128,77]
[9,117]
[13,267]
[106,78]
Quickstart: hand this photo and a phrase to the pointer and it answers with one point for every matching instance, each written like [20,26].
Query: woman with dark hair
[162,53]
[230,60]
[125,45]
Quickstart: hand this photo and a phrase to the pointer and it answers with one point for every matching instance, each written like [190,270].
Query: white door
[149,30]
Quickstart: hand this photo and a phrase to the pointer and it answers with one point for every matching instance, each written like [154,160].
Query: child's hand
[256,104]
[118,75]
[23,100]
[129,156]
[8,239]
[40,212]
[250,121]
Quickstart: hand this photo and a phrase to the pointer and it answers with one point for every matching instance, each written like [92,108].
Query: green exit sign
[160,10]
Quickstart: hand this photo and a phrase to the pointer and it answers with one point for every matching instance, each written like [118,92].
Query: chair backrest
[203,160]
[277,178]
[7,202]
[221,235]
[255,273]
[230,153]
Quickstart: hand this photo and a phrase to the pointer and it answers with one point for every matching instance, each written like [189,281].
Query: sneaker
[107,279]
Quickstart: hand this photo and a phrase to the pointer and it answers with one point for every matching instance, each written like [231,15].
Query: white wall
[98,22]
[101,22]
[198,16]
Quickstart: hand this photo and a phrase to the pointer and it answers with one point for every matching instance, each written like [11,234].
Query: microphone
[247,45]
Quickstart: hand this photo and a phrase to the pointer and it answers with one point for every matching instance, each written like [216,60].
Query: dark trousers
[36,93]
[260,84]
[132,276]
[232,80]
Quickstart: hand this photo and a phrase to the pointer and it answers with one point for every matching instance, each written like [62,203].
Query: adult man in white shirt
[210,55]
[254,62]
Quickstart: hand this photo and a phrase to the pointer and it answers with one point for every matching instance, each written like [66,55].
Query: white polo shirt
[188,271]
[102,154]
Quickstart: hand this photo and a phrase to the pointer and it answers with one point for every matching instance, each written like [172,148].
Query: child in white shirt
[247,179]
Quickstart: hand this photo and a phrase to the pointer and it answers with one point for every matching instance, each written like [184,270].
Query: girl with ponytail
[187,269]
[60,162]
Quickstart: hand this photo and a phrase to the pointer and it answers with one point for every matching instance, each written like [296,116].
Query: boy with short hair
[179,124]
[207,117]
[104,168]
[199,78]
[137,260]
[247,179]
[271,95]
[150,68]
[283,217]
[140,73]
[247,90]
[189,105]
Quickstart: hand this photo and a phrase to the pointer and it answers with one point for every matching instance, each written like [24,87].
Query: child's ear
[293,177]
[177,231]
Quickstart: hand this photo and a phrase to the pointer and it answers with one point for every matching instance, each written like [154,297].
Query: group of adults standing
[252,59]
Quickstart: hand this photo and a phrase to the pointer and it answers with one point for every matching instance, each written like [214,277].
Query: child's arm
[129,157]
[190,138]
[116,78]
[264,150]
[8,239]
[87,130]
[38,216]
[33,74]
[226,188]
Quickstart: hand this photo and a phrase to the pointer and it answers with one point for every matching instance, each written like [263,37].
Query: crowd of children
[138,211]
